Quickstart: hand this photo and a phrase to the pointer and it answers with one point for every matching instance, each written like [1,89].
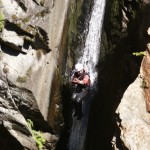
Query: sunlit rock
[12,39]
[132,120]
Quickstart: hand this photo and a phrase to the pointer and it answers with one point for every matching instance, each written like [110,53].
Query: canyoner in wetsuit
[81,83]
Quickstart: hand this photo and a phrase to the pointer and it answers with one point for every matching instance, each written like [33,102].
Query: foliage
[30,123]
[37,135]
[139,53]
[2,22]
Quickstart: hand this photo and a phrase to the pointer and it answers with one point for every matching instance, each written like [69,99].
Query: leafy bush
[37,135]
[139,53]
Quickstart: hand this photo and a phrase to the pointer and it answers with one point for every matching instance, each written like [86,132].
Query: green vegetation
[139,53]
[115,8]
[2,21]
[19,24]
[37,135]
[27,19]
[21,79]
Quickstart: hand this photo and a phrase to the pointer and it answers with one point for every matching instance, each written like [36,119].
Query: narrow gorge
[41,41]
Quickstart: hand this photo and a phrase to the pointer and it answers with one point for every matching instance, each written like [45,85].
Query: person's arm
[77,81]
[84,81]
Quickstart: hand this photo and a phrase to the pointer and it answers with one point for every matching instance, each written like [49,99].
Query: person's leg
[81,95]
[74,96]
[79,106]
[79,99]
[75,104]
[75,109]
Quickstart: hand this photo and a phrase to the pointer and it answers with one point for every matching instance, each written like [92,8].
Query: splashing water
[89,59]
[92,44]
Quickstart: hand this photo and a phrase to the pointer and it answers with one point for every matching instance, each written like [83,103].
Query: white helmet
[78,67]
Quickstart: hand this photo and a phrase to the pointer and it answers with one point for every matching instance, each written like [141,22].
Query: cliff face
[33,57]
[31,49]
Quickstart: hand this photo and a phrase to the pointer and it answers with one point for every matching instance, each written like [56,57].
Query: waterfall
[92,44]
[89,59]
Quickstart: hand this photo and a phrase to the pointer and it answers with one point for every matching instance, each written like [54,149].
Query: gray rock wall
[36,45]
[29,52]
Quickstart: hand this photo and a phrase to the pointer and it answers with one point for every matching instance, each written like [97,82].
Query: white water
[92,44]
[90,58]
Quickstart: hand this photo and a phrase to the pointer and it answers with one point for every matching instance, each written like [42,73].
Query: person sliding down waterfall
[81,81]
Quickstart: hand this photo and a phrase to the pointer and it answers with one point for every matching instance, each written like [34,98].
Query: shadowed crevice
[10,143]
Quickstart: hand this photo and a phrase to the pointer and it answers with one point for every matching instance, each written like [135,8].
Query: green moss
[21,79]
[27,19]
[115,8]
[1,55]
[42,13]
[18,24]
[2,21]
